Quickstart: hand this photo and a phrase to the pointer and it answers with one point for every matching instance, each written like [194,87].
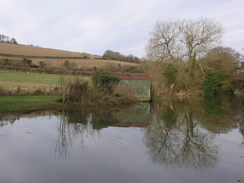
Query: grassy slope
[12,79]
[18,49]
[94,61]
[21,103]
[18,76]
[86,64]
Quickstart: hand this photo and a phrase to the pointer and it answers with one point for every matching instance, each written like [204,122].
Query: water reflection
[69,131]
[178,133]
[4,122]
[220,115]
[85,123]
[175,138]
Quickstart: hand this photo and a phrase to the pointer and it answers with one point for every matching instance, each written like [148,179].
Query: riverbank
[20,104]
[28,103]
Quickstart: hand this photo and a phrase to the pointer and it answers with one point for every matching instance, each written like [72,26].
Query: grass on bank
[22,103]
[11,80]
[158,100]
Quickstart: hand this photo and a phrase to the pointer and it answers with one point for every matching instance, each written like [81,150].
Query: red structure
[132,76]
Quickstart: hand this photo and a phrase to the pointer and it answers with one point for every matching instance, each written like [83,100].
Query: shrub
[69,66]
[27,61]
[42,64]
[170,74]
[213,83]
[86,57]
[4,61]
[104,81]
[77,91]
[117,94]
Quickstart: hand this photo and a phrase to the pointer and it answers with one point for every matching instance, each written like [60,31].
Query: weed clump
[104,81]
[77,91]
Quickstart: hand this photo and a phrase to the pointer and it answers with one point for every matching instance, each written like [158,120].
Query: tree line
[189,60]
[6,39]
[112,55]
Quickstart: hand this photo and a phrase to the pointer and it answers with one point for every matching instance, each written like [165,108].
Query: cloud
[94,26]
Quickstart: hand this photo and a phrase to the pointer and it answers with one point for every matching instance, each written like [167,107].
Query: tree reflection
[177,140]
[219,115]
[181,133]
[240,117]
[85,123]
[74,125]
[4,122]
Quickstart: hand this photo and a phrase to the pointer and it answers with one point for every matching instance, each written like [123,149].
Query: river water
[196,141]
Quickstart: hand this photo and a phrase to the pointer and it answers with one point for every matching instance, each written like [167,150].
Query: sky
[94,26]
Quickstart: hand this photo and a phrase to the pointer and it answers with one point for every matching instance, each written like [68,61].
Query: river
[194,141]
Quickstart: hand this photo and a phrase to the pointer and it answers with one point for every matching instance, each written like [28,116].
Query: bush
[86,57]
[117,94]
[27,61]
[104,81]
[77,91]
[42,64]
[69,66]
[4,61]
[213,84]
[170,74]
[221,59]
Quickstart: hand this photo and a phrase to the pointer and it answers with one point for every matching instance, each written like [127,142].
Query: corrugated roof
[133,76]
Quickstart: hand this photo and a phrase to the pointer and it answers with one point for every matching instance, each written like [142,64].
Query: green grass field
[11,80]
[21,103]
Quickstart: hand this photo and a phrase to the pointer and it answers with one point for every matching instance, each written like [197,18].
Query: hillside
[25,50]
[15,53]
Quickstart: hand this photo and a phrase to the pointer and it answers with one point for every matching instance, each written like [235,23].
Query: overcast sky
[94,26]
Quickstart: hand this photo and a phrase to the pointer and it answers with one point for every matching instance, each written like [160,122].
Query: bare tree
[163,44]
[200,35]
[173,40]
